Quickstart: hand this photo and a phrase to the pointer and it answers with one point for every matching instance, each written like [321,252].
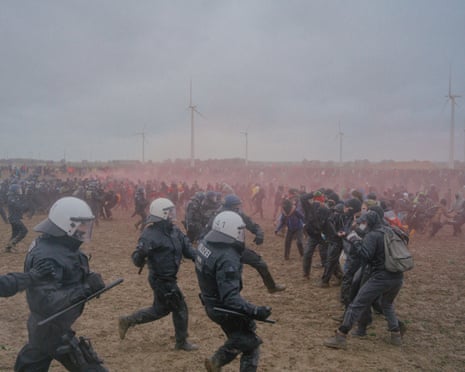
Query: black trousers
[167,298]
[312,242]
[290,235]
[18,232]
[241,339]
[332,266]
[252,258]
[384,284]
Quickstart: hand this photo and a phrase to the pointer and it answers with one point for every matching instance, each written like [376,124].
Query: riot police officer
[249,257]
[68,225]
[219,272]
[162,245]
[16,209]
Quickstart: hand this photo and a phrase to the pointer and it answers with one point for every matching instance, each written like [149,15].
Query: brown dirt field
[432,302]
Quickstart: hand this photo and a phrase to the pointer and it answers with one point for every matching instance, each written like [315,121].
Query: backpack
[397,255]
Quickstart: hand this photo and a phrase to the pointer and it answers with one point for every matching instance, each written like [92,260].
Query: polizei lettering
[204,251]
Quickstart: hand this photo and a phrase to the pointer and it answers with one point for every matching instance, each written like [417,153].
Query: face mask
[363,226]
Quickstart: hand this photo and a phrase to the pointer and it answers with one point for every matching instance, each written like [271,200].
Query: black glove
[41,270]
[258,240]
[261,312]
[94,283]
[143,249]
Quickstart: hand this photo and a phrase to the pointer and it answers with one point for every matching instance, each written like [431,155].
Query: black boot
[124,323]
[186,346]
[212,365]
[269,282]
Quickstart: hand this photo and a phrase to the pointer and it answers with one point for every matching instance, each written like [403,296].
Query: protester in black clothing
[16,209]
[381,282]
[109,201]
[352,209]
[219,272]
[193,217]
[209,207]
[318,226]
[140,206]
[293,220]
[3,200]
[162,246]
[332,266]
[249,256]
[68,225]
[12,283]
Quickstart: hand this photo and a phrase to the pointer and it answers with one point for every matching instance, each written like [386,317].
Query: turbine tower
[142,134]
[452,98]
[193,110]
[340,135]
[246,134]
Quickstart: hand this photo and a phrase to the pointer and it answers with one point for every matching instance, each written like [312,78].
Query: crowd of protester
[335,211]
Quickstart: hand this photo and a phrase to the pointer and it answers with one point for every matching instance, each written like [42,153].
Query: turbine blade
[450,79]
[198,113]
[190,93]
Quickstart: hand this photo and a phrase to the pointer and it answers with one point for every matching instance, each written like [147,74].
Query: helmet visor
[171,216]
[83,230]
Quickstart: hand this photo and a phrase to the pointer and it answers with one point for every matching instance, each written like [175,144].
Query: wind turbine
[452,98]
[246,134]
[142,134]
[193,110]
[340,134]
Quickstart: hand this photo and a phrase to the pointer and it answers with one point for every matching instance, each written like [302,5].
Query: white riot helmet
[161,209]
[228,227]
[69,216]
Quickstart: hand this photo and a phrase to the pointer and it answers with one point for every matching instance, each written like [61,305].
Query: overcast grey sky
[83,78]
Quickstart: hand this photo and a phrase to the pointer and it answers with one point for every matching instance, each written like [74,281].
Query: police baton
[242,315]
[81,302]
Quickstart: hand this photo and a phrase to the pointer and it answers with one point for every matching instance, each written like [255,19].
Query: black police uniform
[16,208]
[72,281]
[249,256]
[219,272]
[163,245]
[12,283]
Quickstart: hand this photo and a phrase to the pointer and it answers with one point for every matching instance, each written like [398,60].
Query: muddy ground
[432,303]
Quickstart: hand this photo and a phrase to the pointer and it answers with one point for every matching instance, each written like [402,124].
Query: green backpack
[397,256]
